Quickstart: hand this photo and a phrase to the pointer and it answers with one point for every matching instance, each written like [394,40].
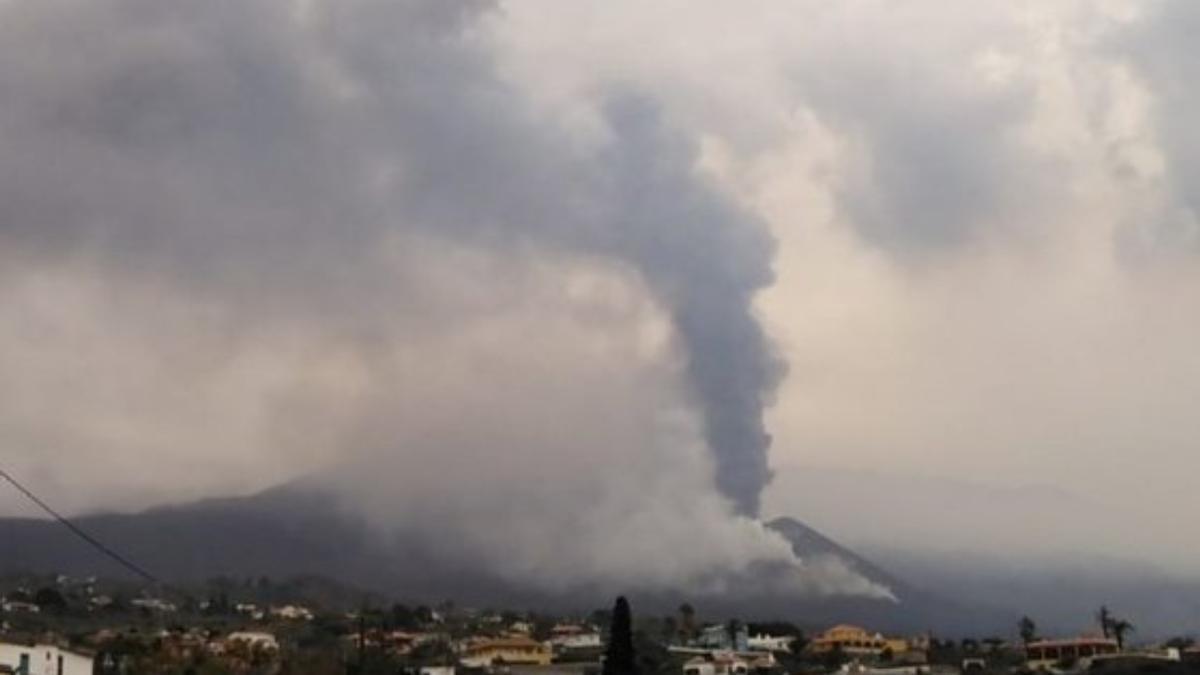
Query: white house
[153,605]
[251,610]
[292,612]
[567,637]
[521,628]
[770,643]
[15,606]
[717,664]
[254,640]
[44,660]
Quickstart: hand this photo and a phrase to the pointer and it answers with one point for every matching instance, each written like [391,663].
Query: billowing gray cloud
[292,216]
[256,152]
[515,246]
[984,268]
[934,157]
[1158,44]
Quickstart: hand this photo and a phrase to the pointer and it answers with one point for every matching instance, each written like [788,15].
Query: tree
[834,658]
[601,618]
[1120,628]
[1181,642]
[732,628]
[49,598]
[687,620]
[620,657]
[1028,630]
[670,629]
[1113,627]
[424,615]
[1104,618]
[404,618]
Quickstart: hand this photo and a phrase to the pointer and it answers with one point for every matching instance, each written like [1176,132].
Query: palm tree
[1105,619]
[1120,628]
[687,620]
[619,656]
[1027,629]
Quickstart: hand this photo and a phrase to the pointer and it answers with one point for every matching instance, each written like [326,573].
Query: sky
[917,272]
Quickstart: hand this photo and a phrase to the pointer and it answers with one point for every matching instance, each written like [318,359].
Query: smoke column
[705,258]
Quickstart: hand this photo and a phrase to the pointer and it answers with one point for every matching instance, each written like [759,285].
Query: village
[87,627]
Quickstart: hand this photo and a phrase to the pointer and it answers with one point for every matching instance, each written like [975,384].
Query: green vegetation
[1027,629]
[620,658]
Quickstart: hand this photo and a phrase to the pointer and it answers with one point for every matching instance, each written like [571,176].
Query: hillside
[295,531]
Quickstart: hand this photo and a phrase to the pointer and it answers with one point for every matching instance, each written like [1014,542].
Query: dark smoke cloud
[301,223]
[254,151]
[706,259]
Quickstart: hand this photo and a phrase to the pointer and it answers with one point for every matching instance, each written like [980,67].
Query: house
[100,601]
[153,605]
[718,636]
[15,606]
[856,668]
[249,609]
[506,650]
[253,640]
[402,642]
[44,660]
[770,643]
[856,641]
[292,613]
[716,664]
[1047,653]
[573,638]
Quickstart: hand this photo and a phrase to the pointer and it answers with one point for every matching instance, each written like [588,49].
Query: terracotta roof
[1068,642]
[506,643]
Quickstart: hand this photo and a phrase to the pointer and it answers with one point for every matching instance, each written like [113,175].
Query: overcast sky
[577,258]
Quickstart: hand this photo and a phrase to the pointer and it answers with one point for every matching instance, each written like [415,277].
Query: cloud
[331,237]
[1160,55]
[267,235]
[984,262]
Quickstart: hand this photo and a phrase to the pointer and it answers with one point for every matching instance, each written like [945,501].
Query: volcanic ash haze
[333,234]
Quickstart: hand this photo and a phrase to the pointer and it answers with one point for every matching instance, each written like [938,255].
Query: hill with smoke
[297,530]
[334,234]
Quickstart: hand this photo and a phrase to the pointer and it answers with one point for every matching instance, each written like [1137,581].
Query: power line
[79,532]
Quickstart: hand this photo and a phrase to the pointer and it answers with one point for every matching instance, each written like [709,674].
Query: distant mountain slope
[915,610]
[296,531]
[286,531]
[807,542]
[1061,594]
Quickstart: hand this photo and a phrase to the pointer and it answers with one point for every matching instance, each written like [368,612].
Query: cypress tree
[619,656]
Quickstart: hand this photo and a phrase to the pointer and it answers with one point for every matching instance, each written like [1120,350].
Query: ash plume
[338,230]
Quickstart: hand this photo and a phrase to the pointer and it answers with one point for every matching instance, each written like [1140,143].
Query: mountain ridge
[294,530]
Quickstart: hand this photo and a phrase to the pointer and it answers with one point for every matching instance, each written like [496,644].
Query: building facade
[44,660]
[508,650]
[1045,653]
[856,641]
